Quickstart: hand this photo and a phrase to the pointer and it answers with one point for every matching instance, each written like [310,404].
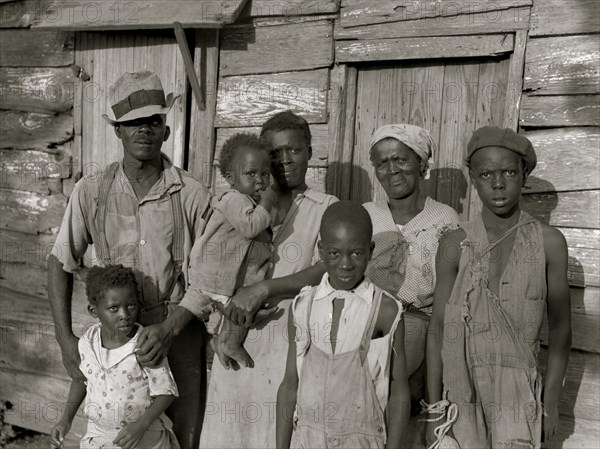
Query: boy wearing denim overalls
[345,383]
[496,275]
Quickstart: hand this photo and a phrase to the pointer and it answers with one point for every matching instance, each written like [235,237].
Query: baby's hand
[268,196]
[59,432]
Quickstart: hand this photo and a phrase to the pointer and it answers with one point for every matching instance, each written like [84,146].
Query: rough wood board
[480,23]
[32,279]
[251,100]
[582,238]
[18,247]
[584,267]
[91,15]
[34,171]
[579,396]
[577,433]
[37,89]
[423,47]
[559,110]
[556,17]
[265,8]
[364,12]
[585,300]
[21,14]
[319,142]
[26,48]
[202,129]
[515,82]
[37,401]
[567,209]
[30,130]
[586,334]
[568,159]
[248,49]
[563,65]
[30,212]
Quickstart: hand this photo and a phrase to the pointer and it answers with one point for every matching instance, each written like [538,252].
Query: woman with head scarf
[406,231]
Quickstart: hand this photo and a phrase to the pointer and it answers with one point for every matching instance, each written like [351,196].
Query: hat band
[137,100]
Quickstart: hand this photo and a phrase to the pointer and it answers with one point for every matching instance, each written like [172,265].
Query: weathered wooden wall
[284,55]
[560,113]
[37,84]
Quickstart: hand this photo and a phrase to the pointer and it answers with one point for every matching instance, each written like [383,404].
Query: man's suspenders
[102,249]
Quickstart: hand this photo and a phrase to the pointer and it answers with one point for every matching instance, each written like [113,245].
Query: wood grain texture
[267,8]
[34,89]
[568,159]
[364,12]
[577,433]
[585,300]
[559,110]
[31,212]
[34,171]
[584,267]
[423,47]
[251,100]
[154,14]
[26,48]
[515,81]
[320,142]
[30,130]
[582,380]
[555,17]
[511,19]
[32,249]
[38,402]
[202,129]
[562,65]
[21,14]
[565,209]
[251,49]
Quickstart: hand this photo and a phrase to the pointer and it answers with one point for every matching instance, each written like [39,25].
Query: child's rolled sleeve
[160,380]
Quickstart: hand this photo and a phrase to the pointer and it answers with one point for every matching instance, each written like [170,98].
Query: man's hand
[153,345]
[245,303]
[130,436]
[550,422]
[58,433]
[70,356]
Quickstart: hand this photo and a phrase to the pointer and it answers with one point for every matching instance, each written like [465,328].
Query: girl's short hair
[101,279]
[235,143]
[287,120]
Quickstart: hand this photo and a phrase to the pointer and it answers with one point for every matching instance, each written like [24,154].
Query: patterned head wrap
[414,137]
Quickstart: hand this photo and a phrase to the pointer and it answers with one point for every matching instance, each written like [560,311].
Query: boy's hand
[153,345]
[268,195]
[70,355]
[59,432]
[550,422]
[129,437]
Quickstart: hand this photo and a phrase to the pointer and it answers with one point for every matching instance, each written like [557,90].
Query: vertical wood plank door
[451,98]
[105,57]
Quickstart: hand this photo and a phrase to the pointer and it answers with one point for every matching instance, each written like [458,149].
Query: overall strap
[365,342]
[490,246]
[102,250]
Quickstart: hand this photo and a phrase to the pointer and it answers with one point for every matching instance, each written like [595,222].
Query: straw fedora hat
[137,95]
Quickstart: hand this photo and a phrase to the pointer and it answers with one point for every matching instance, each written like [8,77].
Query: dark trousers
[187,359]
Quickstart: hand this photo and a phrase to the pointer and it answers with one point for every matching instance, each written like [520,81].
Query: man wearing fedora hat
[144,213]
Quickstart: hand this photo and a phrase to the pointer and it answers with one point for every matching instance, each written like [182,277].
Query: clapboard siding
[562,65]
[24,48]
[31,130]
[291,9]
[585,300]
[250,49]
[557,17]
[568,159]
[45,89]
[31,212]
[568,209]
[248,100]
[560,110]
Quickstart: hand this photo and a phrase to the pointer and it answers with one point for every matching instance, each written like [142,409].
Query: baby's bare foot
[236,352]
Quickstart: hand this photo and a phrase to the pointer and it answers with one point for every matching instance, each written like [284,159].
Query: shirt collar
[169,182]
[364,290]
